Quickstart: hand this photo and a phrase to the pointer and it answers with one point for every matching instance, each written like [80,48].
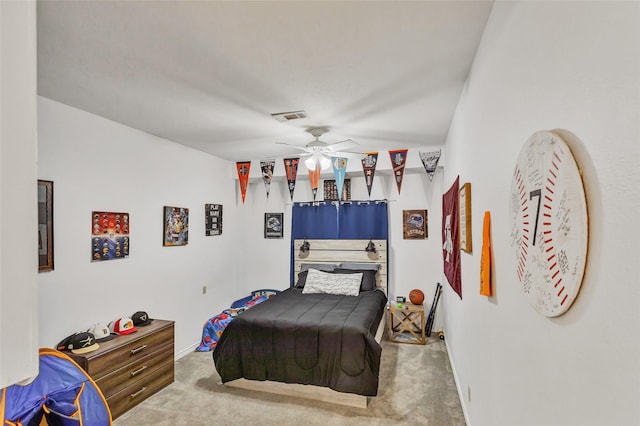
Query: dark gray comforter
[315,339]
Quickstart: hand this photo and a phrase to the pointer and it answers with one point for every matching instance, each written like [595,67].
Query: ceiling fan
[319,152]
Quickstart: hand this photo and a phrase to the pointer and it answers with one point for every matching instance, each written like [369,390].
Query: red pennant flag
[243,176]
[314,179]
[291,168]
[369,168]
[451,238]
[398,160]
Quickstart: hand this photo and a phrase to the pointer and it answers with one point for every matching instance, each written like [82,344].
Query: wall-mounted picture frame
[273,225]
[176,226]
[212,219]
[465,217]
[331,190]
[109,235]
[45,225]
[414,224]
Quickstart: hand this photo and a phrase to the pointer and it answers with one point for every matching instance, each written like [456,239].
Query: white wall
[100,165]
[18,196]
[551,65]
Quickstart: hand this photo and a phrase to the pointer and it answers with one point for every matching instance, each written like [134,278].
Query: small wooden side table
[406,324]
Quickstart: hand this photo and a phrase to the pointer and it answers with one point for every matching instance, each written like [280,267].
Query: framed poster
[212,219]
[176,226]
[109,235]
[331,190]
[273,225]
[45,225]
[465,217]
[414,224]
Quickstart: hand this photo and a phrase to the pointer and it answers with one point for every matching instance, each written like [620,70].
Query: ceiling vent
[288,116]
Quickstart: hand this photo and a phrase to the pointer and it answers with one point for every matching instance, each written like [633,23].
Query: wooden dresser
[131,368]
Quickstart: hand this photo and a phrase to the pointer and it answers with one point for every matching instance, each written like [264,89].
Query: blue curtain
[362,220]
[350,220]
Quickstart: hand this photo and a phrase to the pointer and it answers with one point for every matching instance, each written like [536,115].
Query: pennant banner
[369,167]
[243,176]
[485,258]
[398,160]
[430,162]
[267,173]
[291,169]
[339,171]
[450,237]
[314,179]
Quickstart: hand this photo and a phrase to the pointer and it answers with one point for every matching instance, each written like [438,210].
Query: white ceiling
[209,74]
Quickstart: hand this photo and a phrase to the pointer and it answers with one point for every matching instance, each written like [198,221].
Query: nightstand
[406,324]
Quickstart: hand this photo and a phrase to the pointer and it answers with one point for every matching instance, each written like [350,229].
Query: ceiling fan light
[310,162]
[325,162]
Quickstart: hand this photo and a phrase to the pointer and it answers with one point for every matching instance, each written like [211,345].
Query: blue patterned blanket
[214,326]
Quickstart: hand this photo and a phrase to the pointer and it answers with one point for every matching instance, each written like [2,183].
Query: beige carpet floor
[416,388]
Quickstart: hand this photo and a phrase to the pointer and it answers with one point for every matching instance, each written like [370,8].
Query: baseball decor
[416,296]
[549,223]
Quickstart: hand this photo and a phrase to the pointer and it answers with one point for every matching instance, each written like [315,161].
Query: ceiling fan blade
[343,154]
[301,148]
[345,144]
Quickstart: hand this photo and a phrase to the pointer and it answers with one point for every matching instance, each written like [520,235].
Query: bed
[306,343]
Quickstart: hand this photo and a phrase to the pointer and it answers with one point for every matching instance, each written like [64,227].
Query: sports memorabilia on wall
[109,235]
[414,224]
[267,174]
[273,225]
[212,219]
[243,168]
[485,257]
[464,206]
[339,166]
[398,161]
[430,162]
[291,169]
[549,223]
[450,247]
[331,190]
[314,180]
[369,168]
[45,225]
[176,226]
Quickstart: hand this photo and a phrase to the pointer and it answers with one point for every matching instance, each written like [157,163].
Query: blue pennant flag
[340,171]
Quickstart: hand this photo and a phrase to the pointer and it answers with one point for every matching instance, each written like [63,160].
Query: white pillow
[328,283]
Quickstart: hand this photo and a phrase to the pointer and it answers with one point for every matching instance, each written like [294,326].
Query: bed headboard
[336,252]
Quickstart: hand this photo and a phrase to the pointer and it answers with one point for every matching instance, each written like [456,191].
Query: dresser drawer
[130,368]
[137,370]
[137,392]
[127,349]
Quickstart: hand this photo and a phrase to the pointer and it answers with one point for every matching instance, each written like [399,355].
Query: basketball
[416,296]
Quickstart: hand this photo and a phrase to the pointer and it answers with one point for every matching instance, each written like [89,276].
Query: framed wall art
[45,225]
[273,225]
[109,235]
[212,219]
[331,190]
[414,224]
[176,226]
[465,217]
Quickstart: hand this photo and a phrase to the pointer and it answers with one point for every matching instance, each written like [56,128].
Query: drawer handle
[133,395]
[138,371]
[136,350]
